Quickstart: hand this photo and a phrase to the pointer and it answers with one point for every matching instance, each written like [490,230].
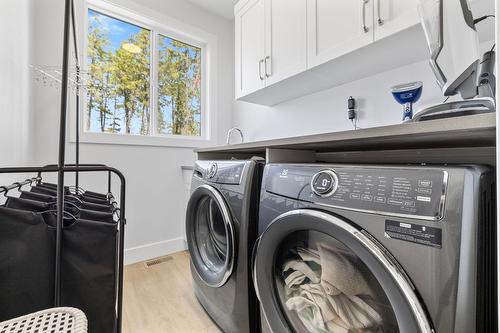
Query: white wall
[16,120]
[155,186]
[15,108]
[326,111]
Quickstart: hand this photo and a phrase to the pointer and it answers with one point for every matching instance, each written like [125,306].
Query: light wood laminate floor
[160,299]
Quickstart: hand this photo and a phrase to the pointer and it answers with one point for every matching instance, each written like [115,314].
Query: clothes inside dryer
[323,286]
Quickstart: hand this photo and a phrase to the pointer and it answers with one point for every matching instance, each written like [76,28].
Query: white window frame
[176,30]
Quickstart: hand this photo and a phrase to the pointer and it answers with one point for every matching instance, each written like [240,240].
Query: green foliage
[179,87]
[99,90]
[130,80]
[119,87]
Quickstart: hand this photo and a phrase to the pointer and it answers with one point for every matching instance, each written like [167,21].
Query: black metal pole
[62,153]
[78,73]
[77,129]
[109,182]
[121,251]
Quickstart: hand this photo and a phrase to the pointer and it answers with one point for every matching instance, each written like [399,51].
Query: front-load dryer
[221,228]
[359,248]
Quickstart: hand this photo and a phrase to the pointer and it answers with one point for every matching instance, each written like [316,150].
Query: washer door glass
[324,287]
[210,233]
[210,236]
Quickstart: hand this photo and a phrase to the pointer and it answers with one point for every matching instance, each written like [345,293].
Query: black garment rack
[62,168]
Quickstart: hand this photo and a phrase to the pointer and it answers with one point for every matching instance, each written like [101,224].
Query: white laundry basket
[61,320]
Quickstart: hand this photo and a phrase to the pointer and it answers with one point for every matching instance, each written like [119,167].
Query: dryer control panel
[407,191]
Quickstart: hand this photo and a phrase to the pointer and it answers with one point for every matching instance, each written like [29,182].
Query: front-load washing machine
[359,248]
[221,228]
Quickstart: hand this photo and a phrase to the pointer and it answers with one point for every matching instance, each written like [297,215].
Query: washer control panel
[220,172]
[417,192]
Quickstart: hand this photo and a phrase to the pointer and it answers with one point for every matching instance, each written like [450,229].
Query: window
[142,80]
[179,86]
[118,60]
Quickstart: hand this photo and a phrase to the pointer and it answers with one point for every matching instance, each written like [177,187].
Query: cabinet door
[337,27]
[250,47]
[286,39]
[392,16]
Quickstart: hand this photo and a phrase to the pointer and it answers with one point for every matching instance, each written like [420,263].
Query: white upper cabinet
[250,47]
[337,27]
[271,42]
[290,48]
[392,16]
[286,39]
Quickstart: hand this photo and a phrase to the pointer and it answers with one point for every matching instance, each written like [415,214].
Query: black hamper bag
[97,207]
[49,198]
[88,271]
[40,206]
[27,204]
[92,215]
[43,190]
[94,200]
[96,195]
[37,196]
[26,263]
[50,191]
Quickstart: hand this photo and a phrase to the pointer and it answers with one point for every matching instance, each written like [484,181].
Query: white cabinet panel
[392,16]
[337,27]
[286,39]
[250,47]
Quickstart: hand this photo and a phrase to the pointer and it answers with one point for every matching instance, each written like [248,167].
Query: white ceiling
[223,8]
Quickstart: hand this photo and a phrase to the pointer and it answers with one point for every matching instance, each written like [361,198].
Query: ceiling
[223,8]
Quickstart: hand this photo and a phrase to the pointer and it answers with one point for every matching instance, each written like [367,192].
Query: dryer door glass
[315,272]
[210,236]
[323,286]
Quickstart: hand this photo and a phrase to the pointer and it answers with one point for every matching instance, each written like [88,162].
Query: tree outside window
[119,58]
[179,85]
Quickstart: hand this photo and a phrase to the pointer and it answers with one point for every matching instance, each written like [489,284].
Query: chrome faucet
[228,138]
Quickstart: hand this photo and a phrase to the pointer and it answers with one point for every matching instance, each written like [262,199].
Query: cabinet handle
[365,27]
[261,61]
[265,66]
[380,20]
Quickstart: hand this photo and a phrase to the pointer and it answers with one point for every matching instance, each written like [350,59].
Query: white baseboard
[154,250]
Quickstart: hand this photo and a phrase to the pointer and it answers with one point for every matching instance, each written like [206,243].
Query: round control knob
[324,183]
[212,170]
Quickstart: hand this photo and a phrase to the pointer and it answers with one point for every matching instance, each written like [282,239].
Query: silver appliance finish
[449,279]
[230,131]
[456,109]
[224,200]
